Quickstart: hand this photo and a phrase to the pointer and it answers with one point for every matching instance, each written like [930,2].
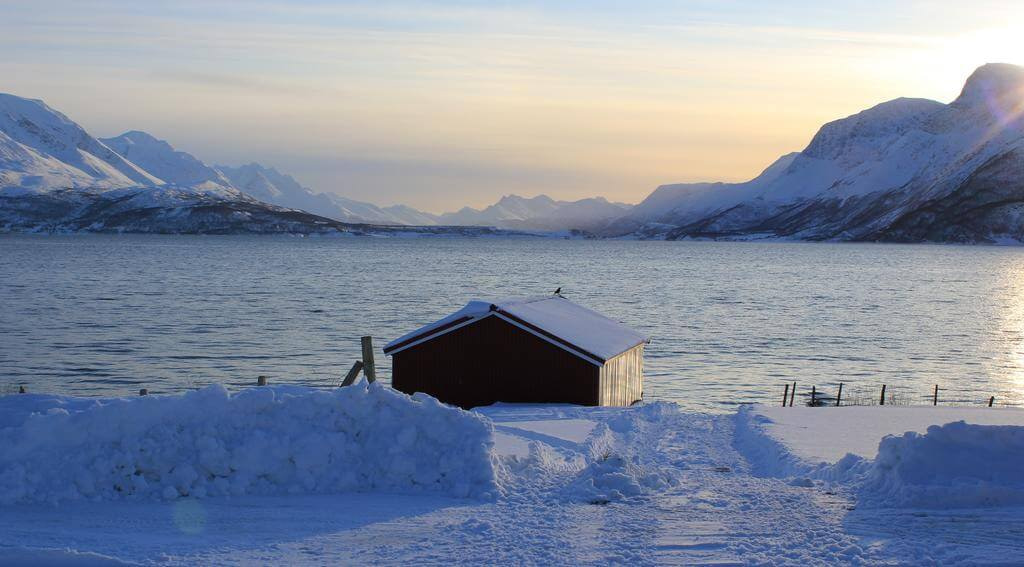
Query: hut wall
[490,361]
[622,378]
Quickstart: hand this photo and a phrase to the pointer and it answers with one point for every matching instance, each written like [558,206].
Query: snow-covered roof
[575,328]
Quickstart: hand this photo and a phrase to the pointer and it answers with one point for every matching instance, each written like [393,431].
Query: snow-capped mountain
[905,170]
[54,176]
[160,159]
[41,150]
[272,186]
[539,213]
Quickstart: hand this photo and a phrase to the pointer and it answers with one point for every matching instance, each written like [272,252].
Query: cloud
[460,101]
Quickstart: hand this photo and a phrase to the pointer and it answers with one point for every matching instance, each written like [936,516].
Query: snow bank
[828,434]
[616,466]
[614,462]
[957,465]
[267,440]
[56,558]
[769,456]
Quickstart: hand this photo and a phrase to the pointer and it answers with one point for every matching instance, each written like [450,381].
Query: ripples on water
[730,322]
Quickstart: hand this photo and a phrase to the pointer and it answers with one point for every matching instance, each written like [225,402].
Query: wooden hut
[541,350]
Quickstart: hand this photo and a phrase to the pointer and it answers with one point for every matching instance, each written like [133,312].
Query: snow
[894,457]
[581,327]
[828,434]
[649,484]
[578,325]
[888,159]
[537,213]
[273,440]
[162,160]
[57,558]
[42,149]
[957,465]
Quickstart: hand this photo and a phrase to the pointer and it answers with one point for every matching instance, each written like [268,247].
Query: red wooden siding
[492,360]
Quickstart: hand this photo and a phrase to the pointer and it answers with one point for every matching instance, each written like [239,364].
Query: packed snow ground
[650,484]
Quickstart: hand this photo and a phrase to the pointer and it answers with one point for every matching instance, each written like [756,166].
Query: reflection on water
[730,322]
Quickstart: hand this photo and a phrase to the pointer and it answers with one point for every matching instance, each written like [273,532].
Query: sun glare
[989,45]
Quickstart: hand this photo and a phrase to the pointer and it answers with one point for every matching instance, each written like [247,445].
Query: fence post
[368,367]
[785,395]
[881,400]
[839,396]
[352,374]
[792,394]
[261,381]
[935,396]
[991,401]
[814,396]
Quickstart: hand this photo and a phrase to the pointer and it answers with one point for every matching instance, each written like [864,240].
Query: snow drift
[957,465]
[614,463]
[268,440]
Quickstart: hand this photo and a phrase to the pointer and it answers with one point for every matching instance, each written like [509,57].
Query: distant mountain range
[56,177]
[907,170]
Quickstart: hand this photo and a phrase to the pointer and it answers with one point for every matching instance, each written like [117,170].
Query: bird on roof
[558,291]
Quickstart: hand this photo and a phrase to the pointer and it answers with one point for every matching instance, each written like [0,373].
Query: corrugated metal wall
[622,378]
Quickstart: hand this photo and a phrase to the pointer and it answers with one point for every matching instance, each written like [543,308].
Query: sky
[444,104]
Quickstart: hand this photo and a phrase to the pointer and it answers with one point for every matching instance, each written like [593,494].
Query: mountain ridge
[56,177]
[860,174]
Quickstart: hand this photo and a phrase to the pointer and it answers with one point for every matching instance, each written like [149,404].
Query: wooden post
[261,381]
[839,396]
[991,401]
[881,400]
[935,396]
[352,374]
[785,395]
[21,390]
[143,392]
[814,396]
[369,370]
[792,394]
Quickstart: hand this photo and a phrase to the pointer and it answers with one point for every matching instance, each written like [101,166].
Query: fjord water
[729,322]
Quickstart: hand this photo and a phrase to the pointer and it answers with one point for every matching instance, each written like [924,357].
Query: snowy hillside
[272,186]
[905,170]
[160,159]
[55,177]
[41,150]
[539,213]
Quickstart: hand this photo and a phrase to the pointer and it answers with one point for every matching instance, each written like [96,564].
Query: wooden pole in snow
[991,401]
[839,396]
[785,395]
[350,378]
[935,396]
[369,369]
[792,394]
[881,400]
[814,396]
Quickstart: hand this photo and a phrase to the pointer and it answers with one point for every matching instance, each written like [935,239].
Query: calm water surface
[730,322]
